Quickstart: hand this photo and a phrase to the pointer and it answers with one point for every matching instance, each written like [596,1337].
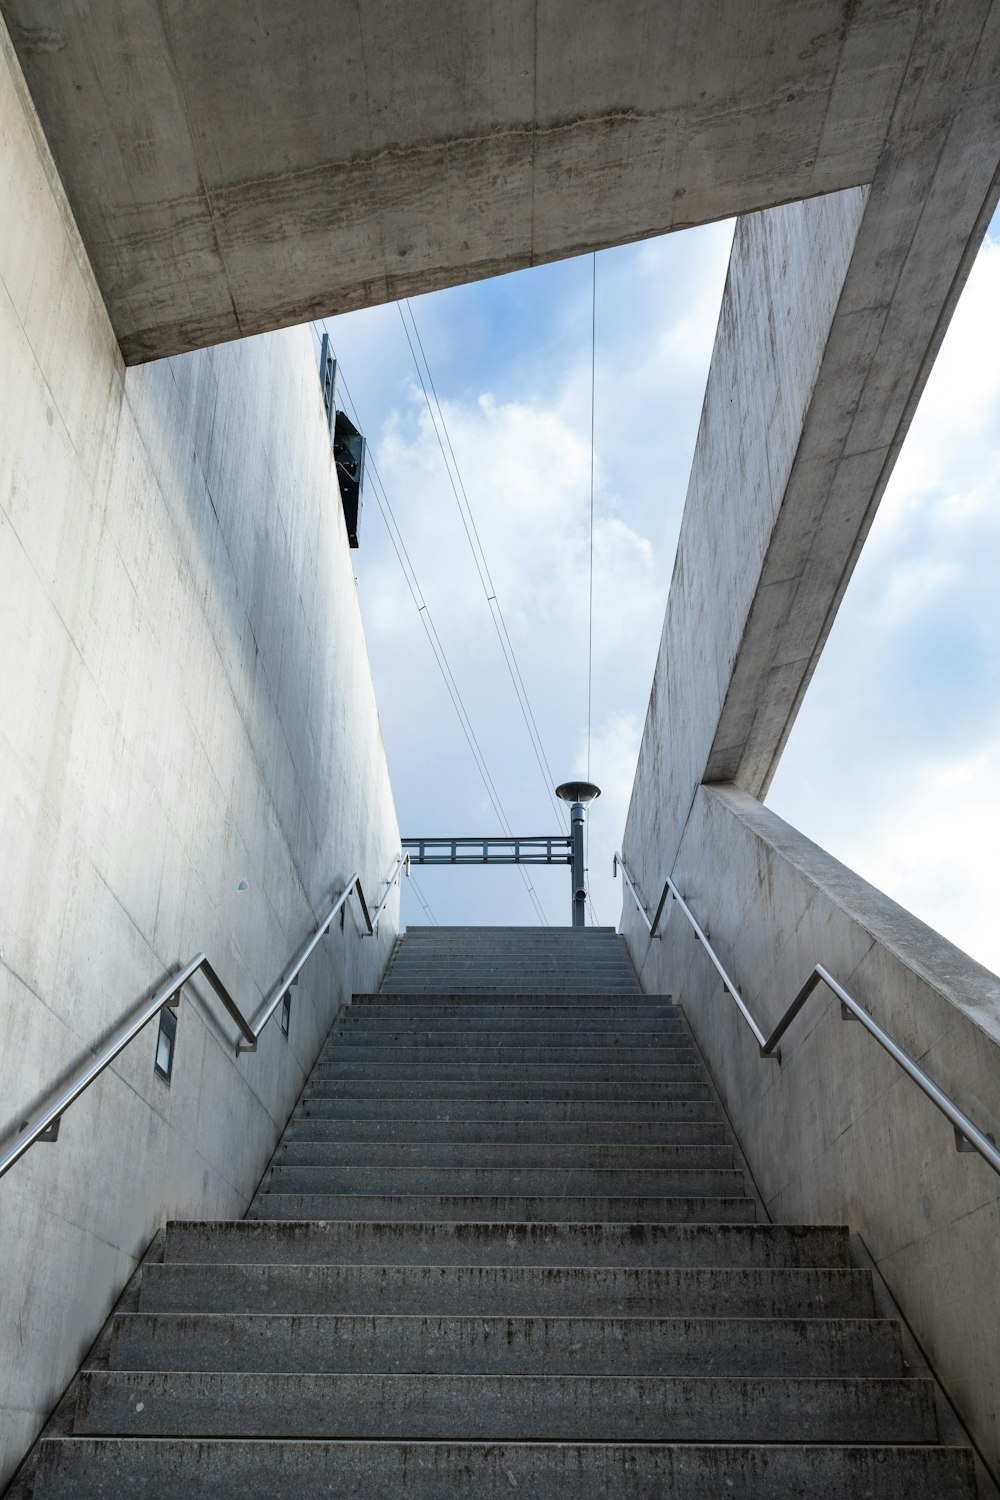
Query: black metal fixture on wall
[348,443]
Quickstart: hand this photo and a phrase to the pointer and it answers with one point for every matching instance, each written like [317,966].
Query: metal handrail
[968,1137]
[46,1127]
[403,862]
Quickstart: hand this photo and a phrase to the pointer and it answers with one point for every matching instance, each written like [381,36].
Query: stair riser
[446,1021]
[508,1243]
[348,1056]
[509,1182]
[488,1290]
[535,978]
[469,1209]
[503,1346]
[455,1155]
[524,1071]
[449,1002]
[153,1469]
[499,989]
[472,1039]
[560,1408]
[497,1132]
[387,1112]
[509,1090]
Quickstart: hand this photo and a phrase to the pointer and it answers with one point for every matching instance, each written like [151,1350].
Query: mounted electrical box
[349,455]
[348,444]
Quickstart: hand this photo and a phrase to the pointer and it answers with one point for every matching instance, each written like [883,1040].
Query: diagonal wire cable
[423,902]
[479,556]
[590,612]
[413,584]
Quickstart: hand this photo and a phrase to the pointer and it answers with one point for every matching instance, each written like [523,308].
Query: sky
[889,763]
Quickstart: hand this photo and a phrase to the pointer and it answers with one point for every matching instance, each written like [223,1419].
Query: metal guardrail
[46,1127]
[968,1137]
[534,849]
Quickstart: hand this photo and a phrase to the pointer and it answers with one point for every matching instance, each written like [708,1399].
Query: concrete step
[463,1051]
[155,1468]
[511,1242]
[525,1071]
[515,1036]
[535,1133]
[571,1029]
[493,1155]
[509,932]
[469,1208]
[529,1291]
[362,1108]
[526,969]
[512,1090]
[387,1016]
[499,986]
[637,1182]
[674,1053]
[537,960]
[331,1343]
[453,967]
[523,974]
[635,1004]
[505,1408]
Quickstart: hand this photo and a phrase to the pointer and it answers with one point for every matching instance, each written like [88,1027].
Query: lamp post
[579,794]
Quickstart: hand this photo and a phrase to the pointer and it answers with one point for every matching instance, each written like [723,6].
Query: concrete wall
[786,275]
[186,706]
[836,1133]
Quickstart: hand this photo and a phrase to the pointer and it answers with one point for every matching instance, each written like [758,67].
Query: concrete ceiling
[234,168]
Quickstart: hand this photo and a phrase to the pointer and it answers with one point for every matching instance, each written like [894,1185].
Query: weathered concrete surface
[90,1469]
[837,1131]
[187,706]
[236,172]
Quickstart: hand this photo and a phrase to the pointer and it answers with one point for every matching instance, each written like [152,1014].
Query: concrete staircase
[505,1247]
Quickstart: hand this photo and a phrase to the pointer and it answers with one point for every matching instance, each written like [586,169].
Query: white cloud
[614,751]
[933,849]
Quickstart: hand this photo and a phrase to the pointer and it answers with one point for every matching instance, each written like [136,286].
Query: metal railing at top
[534,849]
[968,1137]
[46,1127]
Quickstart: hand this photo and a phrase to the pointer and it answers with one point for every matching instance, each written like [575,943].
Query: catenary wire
[413,584]
[590,610]
[423,901]
[479,557]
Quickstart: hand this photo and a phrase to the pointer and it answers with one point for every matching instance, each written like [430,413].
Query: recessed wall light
[163,1062]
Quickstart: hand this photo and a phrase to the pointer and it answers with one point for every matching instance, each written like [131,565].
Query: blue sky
[886,764]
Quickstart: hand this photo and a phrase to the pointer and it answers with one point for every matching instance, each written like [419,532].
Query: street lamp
[579,794]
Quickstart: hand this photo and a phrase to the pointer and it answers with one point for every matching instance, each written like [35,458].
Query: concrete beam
[231,176]
[833,312]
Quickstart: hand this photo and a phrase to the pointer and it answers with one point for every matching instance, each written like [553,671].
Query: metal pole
[579,794]
[578,814]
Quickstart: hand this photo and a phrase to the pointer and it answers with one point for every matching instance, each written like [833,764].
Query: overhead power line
[467,515]
[590,609]
[423,901]
[413,584]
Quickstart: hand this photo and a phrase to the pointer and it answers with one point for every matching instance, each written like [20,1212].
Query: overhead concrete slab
[235,169]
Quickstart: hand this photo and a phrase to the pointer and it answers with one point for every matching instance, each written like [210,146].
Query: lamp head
[583,792]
